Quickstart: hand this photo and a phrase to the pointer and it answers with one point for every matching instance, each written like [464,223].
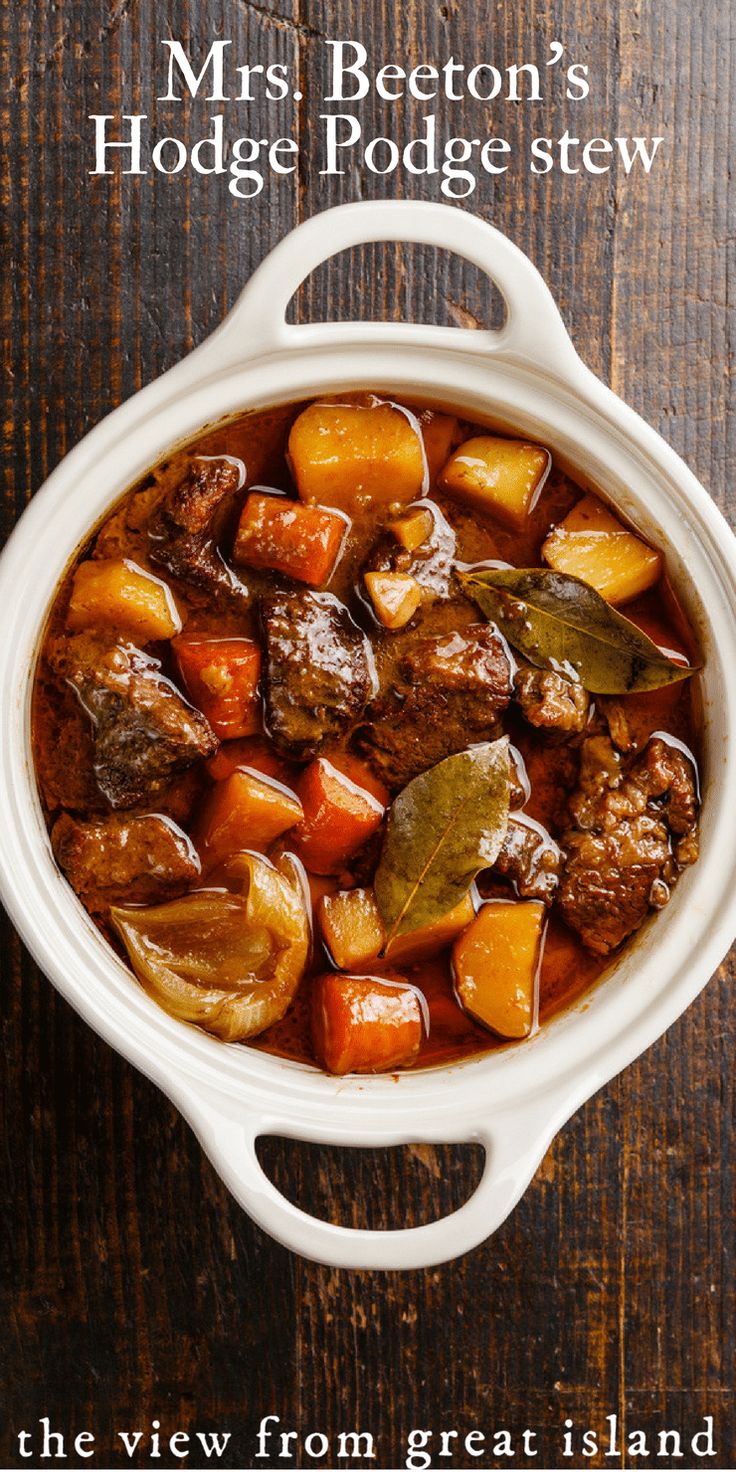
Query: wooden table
[133,1287]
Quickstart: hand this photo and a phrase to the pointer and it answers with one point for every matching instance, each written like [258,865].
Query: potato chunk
[348,454]
[412,529]
[495,963]
[246,810]
[416,945]
[114,593]
[395,597]
[440,432]
[502,477]
[351,927]
[591,544]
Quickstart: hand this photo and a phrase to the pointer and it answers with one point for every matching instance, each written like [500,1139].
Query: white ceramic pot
[526,375]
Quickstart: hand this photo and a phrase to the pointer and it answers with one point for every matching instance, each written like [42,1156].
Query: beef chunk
[549,701]
[431,563]
[633,829]
[449,692]
[530,858]
[318,670]
[135,860]
[143,730]
[182,533]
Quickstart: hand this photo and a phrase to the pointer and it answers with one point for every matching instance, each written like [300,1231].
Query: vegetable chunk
[246,810]
[302,541]
[591,544]
[495,963]
[221,677]
[395,597]
[339,815]
[365,1024]
[414,528]
[115,593]
[351,927]
[427,940]
[500,476]
[230,962]
[345,454]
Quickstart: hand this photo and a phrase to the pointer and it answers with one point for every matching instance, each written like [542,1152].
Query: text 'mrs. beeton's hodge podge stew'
[344,741]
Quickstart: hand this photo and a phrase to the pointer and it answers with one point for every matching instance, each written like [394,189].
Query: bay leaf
[442,829]
[563,624]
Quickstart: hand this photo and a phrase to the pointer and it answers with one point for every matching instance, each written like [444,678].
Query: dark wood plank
[132,1287]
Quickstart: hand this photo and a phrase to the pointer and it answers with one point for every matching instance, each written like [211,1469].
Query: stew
[366,735]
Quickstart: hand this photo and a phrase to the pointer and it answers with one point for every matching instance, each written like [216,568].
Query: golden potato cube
[114,593]
[495,962]
[416,945]
[351,927]
[414,528]
[502,477]
[395,597]
[592,545]
[349,454]
[440,433]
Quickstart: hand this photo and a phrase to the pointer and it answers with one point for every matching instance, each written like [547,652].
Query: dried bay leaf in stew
[443,828]
[563,624]
[228,960]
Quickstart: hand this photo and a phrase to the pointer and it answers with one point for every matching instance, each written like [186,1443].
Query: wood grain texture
[132,1286]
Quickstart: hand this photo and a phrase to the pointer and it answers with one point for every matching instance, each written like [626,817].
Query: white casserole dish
[528,376]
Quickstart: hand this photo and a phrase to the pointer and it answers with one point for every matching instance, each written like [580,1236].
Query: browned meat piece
[617,721]
[551,702]
[619,858]
[135,860]
[182,532]
[431,563]
[318,670]
[143,730]
[530,858]
[449,693]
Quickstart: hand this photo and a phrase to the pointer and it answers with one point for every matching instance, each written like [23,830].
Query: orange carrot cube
[365,1024]
[278,533]
[247,810]
[248,751]
[221,678]
[339,815]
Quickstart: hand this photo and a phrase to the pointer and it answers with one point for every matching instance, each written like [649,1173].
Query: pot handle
[513,1146]
[257,327]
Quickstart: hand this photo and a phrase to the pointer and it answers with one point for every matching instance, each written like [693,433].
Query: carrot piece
[247,810]
[395,597]
[284,535]
[365,1024]
[348,454]
[495,964]
[115,593]
[415,945]
[249,751]
[339,815]
[359,772]
[351,927]
[221,678]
